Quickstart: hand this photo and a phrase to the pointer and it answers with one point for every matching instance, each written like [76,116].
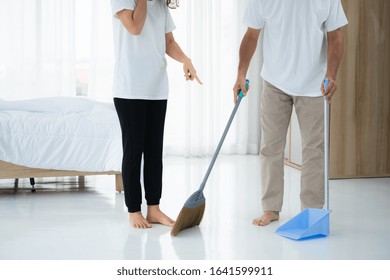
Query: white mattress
[63,133]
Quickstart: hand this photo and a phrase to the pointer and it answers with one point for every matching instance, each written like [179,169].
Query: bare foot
[267,218]
[155,216]
[138,221]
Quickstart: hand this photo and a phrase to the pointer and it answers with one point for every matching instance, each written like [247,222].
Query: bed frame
[13,171]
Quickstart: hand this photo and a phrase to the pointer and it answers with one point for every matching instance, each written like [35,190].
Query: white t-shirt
[295,41]
[140,62]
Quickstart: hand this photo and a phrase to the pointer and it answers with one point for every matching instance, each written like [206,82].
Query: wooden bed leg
[81,181]
[118,183]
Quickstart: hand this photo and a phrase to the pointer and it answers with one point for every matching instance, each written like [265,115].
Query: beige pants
[276,113]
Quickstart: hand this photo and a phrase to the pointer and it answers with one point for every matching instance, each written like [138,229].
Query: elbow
[134,31]
[169,43]
[134,28]
[168,47]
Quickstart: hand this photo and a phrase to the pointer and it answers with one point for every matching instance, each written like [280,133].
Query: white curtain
[102,51]
[65,47]
[210,32]
[55,48]
[37,48]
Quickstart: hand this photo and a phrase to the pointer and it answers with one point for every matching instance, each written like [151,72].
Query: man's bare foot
[138,221]
[155,216]
[267,218]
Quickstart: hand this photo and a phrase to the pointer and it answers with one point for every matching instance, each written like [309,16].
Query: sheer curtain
[37,49]
[102,51]
[55,48]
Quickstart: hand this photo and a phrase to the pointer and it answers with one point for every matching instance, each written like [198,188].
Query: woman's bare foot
[138,221]
[155,216]
[267,218]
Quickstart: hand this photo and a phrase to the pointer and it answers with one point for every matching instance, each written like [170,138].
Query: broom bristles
[188,218]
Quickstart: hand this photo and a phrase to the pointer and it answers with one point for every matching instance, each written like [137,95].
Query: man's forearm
[335,53]
[247,50]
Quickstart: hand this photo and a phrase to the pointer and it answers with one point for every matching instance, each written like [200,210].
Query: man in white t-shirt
[302,46]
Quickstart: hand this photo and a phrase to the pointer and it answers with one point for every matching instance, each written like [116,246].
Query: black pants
[142,124]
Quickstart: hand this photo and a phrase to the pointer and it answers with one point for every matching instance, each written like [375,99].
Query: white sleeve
[119,5]
[169,24]
[253,16]
[337,17]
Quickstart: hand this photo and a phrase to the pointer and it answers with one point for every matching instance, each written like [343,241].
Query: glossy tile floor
[65,220]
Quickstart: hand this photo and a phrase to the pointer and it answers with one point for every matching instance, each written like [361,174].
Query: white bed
[70,134]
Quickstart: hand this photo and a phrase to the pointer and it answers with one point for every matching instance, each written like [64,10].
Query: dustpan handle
[240,97]
[326,146]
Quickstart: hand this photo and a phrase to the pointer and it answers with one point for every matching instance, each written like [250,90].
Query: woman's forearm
[134,21]
[173,49]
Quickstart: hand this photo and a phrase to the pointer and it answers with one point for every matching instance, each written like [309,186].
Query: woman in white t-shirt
[142,36]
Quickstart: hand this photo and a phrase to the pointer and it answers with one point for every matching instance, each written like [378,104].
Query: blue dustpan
[311,222]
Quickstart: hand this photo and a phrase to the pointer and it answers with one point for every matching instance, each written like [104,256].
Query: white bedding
[63,133]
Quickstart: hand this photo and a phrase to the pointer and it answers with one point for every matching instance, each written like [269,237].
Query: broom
[192,212]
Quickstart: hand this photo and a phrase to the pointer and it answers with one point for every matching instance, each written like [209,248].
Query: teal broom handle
[240,97]
[326,146]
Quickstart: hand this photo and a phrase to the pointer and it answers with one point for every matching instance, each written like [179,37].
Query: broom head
[191,214]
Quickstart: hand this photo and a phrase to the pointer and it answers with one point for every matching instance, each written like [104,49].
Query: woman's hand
[190,72]
[174,51]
